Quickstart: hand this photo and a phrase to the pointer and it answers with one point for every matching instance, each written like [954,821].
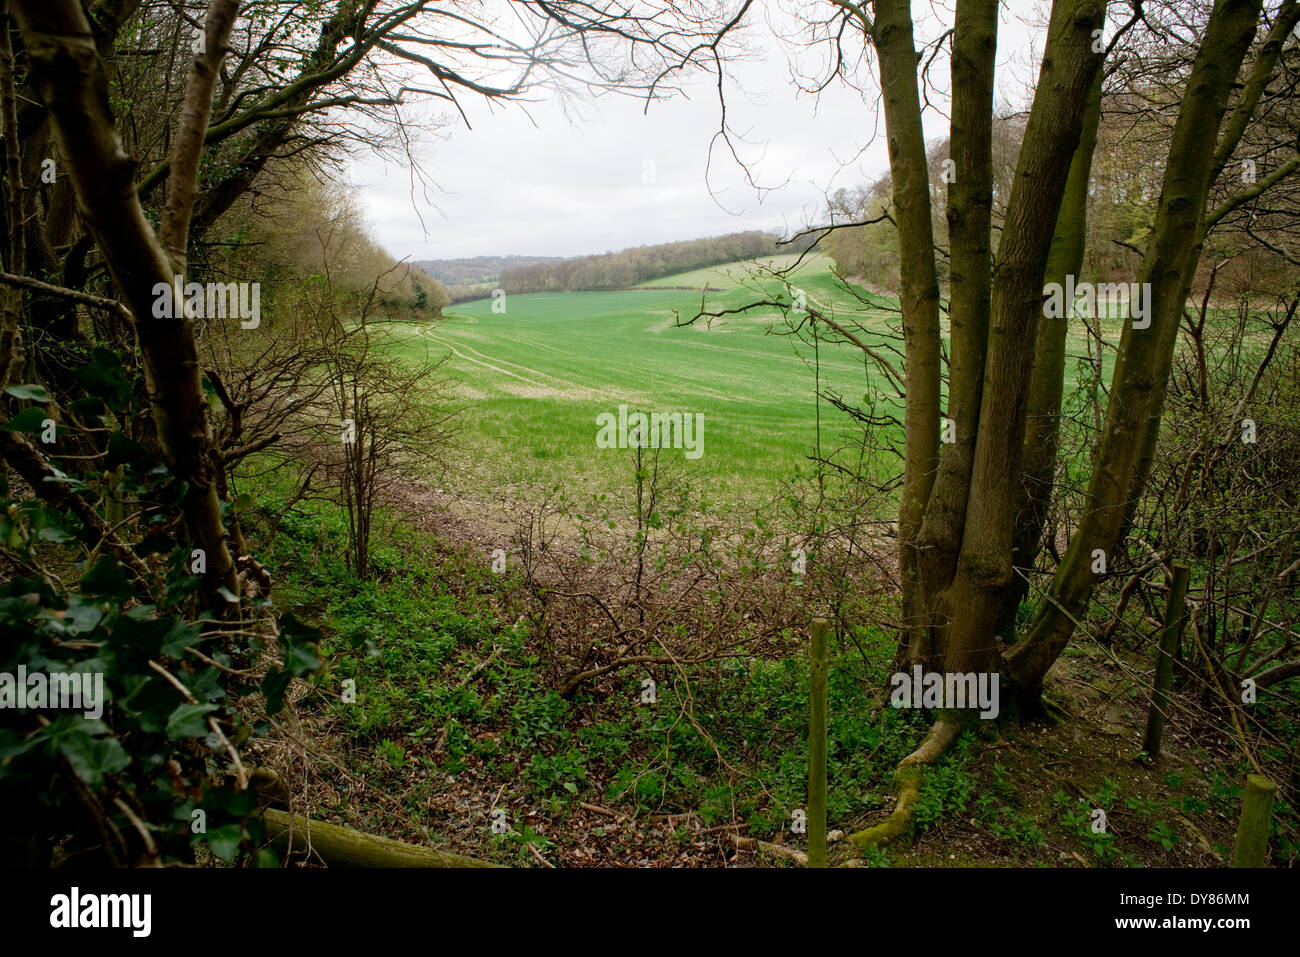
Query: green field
[532,380]
[730,274]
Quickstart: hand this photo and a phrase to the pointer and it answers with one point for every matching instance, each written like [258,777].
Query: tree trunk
[1046,383]
[340,846]
[964,612]
[970,209]
[1141,372]
[70,77]
[919,295]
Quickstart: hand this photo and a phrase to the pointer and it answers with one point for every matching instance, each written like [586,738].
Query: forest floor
[458,738]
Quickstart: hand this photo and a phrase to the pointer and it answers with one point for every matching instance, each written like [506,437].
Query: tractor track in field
[574,386]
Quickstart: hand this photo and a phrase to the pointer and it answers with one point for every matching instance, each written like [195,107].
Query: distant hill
[630,267]
[477,269]
[476,277]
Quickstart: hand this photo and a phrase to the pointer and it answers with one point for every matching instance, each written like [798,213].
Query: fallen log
[340,846]
[780,850]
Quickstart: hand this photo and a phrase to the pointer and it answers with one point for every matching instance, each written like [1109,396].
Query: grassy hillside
[729,274]
[533,379]
[457,719]
[462,714]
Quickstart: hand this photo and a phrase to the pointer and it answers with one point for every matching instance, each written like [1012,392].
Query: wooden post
[1255,825]
[1295,766]
[1170,633]
[817,746]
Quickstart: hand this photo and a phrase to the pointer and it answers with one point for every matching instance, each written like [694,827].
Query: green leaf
[296,641]
[189,721]
[53,534]
[106,578]
[300,659]
[13,744]
[224,840]
[81,617]
[92,758]
[28,420]
[182,635]
[32,393]
[88,407]
[274,686]
[104,378]
[147,700]
[125,451]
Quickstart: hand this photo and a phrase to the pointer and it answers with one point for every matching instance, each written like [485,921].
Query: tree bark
[1141,372]
[965,613]
[70,77]
[970,211]
[340,846]
[919,295]
[1047,381]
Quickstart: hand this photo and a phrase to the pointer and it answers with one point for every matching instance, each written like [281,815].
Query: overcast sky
[548,183]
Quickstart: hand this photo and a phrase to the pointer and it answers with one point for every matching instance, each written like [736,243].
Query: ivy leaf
[224,801]
[189,721]
[104,378]
[148,701]
[300,659]
[224,841]
[295,642]
[124,451]
[13,744]
[88,407]
[92,758]
[28,420]
[53,533]
[182,635]
[32,393]
[81,617]
[274,686]
[106,579]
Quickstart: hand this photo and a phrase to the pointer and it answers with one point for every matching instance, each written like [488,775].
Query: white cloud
[550,185]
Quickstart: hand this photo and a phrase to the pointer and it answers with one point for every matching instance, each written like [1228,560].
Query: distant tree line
[644,263]
[475,277]
[477,270]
